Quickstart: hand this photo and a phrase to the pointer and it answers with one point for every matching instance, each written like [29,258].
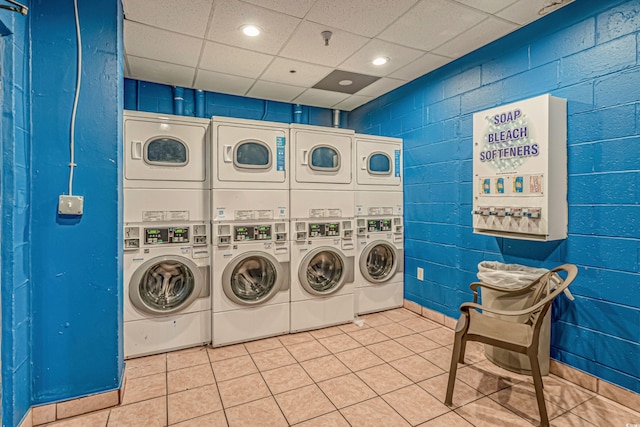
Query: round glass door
[322,271]
[165,285]
[252,278]
[378,262]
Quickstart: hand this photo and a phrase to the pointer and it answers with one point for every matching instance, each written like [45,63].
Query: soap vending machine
[520,170]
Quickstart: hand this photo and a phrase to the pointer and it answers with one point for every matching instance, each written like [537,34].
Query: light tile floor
[392,371]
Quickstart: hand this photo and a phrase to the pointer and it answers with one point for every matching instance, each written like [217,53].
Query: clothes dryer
[379,280]
[251,281]
[322,183]
[250,160]
[322,273]
[165,151]
[167,293]
[378,170]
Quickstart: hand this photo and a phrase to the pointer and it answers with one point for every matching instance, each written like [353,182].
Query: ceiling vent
[345,82]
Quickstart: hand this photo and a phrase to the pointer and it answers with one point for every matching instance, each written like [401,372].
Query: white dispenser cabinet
[520,170]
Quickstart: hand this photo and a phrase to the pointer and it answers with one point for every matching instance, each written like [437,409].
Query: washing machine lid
[324,271]
[166,284]
[380,261]
[253,278]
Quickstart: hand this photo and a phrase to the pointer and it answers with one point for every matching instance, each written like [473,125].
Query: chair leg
[537,383]
[458,353]
[463,349]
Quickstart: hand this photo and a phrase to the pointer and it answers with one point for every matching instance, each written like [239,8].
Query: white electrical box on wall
[520,170]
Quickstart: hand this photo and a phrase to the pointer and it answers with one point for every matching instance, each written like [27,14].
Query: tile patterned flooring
[392,371]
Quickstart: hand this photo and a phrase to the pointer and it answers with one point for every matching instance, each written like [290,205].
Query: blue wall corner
[586,52]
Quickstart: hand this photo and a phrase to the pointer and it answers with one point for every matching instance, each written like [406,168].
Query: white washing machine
[378,166]
[167,292]
[322,273]
[379,274]
[250,162]
[322,182]
[250,286]
[165,151]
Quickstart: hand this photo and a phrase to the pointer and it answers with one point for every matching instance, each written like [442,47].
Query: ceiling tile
[489,6]
[484,33]
[152,43]
[399,56]
[275,91]
[182,16]
[233,60]
[353,102]
[297,8]
[320,98]
[160,72]
[223,83]
[421,66]
[230,15]
[526,11]
[307,45]
[381,87]
[306,74]
[362,17]
[431,23]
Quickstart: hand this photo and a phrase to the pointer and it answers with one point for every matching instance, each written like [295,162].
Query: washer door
[379,261]
[253,278]
[165,285]
[324,271]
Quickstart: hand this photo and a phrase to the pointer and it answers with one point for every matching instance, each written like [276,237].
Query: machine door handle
[136,150]
[364,163]
[227,153]
[305,157]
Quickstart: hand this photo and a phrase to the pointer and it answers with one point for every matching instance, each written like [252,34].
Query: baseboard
[585,380]
[71,408]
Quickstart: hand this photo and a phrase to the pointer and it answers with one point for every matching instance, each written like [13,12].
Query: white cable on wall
[72,163]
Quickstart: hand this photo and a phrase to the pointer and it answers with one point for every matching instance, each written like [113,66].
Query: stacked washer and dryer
[323,247]
[167,301]
[379,221]
[250,196]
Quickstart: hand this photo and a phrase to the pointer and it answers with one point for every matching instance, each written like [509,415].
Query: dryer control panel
[324,229]
[243,233]
[379,225]
[158,236]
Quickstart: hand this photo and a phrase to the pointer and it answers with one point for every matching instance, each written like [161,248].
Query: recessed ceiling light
[381,60]
[250,30]
[345,82]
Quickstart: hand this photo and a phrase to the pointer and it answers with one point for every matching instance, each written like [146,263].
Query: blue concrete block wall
[587,52]
[77,261]
[158,98]
[15,213]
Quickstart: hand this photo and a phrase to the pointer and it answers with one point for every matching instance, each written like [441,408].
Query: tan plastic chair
[477,323]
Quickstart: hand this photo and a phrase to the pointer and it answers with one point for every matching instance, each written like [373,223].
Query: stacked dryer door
[251,281]
[379,201]
[167,293]
[250,170]
[322,273]
[166,165]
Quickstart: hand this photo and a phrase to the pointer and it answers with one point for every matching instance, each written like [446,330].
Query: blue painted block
[618,21]
[563,43]
[599,61]
[614,155]
[577,362]
[443,110]
[607,285]
[513,62]
[600,188]
[536,81]
[464,82]
[412,120]
[608,220]
[618,354]
[599,251]
[579,97]
[576,340]
[580,158]
[481,98]
[466,127]
[618,378]
[617,89]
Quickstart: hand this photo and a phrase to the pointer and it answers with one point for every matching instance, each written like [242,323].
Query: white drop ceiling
[198,43]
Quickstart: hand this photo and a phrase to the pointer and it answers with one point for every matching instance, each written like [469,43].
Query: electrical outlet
[70,205]
[420,273]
